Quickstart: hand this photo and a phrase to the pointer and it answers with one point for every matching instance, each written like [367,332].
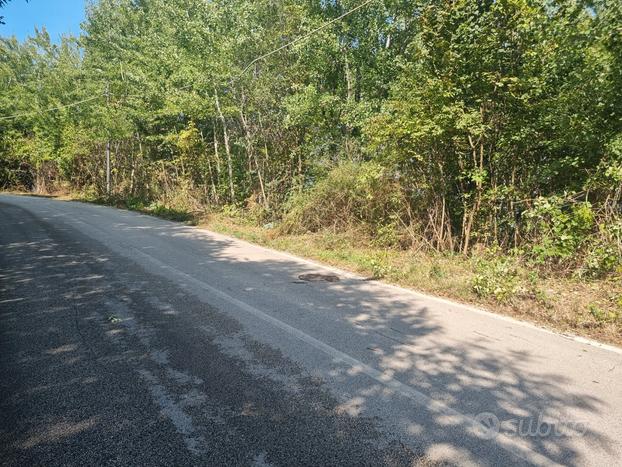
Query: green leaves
[456,115]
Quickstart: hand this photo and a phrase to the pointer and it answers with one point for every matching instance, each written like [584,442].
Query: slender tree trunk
[133,171]
[216,154]
[468,225]
[512,213]
[252,155]
[211,172]
[227,147]
[350,99]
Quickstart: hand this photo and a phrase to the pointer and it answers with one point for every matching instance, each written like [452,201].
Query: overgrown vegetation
[484,133]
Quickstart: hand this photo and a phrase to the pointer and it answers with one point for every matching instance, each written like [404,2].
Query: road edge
[352,275]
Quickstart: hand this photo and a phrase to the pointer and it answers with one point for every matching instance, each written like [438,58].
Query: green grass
[136,204]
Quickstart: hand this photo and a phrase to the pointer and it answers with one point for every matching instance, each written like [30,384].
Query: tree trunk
[252,155]
[211,172]
[350,85]
[216,154]
[478,162]
[227,147]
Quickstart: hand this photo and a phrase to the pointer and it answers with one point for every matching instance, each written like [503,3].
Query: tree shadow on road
[78,319]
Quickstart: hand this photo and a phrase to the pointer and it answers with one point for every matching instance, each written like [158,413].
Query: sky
[58,16]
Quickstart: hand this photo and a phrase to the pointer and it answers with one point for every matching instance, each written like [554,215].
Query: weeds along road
[126,339]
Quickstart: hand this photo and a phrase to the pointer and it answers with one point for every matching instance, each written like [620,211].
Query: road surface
[126,339]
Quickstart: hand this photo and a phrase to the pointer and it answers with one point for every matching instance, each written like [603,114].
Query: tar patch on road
[318,278]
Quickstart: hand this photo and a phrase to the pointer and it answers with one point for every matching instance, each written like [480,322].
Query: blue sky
[58,16]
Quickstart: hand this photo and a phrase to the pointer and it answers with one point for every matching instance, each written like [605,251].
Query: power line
[73,104]
[246,68]
[305,36]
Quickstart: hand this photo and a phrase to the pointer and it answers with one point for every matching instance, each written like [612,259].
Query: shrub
[604,253]
[169,213]
[436,272]
[352,194]
[387,235]
[558,227]
[380,266]
[603,316]
[497,279]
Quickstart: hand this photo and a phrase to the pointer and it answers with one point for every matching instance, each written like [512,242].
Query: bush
[558,227]
[352,194]
[497,279]
[380,266]
[387,235]
[602,315]
[604,253]
[169,213]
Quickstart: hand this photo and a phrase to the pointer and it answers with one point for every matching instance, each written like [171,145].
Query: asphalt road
[129,340]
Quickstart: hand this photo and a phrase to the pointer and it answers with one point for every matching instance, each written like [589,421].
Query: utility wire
[246,68]
[73,104]
[305,36]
